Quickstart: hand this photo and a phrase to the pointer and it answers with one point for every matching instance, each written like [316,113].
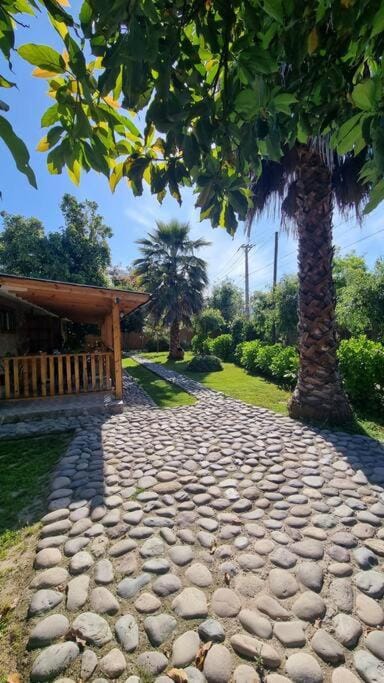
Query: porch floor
[59,406]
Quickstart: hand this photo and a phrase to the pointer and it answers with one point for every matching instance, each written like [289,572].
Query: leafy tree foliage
[175,276]
[228,299]
[209,323]
[78,252]
[360,304]
[279,309]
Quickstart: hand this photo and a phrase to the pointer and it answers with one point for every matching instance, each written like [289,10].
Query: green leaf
[5,83]
[378,22]
[275,10]
[50,116]
[349,134]
[4,106]
[283,101]
[377,196]
[56,160]
[364,95]
[43,56]
[246,103]
[18,150]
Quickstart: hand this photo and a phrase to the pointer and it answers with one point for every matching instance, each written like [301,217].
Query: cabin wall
[12,330]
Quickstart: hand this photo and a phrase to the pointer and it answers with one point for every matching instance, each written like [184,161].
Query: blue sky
[131,217]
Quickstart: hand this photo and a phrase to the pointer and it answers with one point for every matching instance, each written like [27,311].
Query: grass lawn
[257,391]
[25,467]
[164,394]
[233,381]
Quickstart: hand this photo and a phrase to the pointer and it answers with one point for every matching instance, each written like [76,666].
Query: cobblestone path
[216,523]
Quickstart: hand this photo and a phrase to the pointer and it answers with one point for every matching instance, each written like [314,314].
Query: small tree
[209,323]
[175,276]
[228,299]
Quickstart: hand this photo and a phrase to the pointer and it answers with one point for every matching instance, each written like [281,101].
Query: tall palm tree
[308,182]
[175,276]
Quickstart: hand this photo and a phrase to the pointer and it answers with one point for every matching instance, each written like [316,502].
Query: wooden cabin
[34,318]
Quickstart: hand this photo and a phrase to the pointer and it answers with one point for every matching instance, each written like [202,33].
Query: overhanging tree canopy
[225,84]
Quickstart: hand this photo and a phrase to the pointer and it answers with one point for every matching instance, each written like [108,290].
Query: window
[7,321]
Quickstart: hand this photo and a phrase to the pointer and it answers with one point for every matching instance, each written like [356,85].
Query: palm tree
[175,276]
[307,183]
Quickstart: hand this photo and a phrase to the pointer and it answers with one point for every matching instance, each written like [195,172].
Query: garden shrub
[237,331]
[200,344]
[238,353]
[204,363]
[249,352]
[285,365]
[362,367]
[222,347]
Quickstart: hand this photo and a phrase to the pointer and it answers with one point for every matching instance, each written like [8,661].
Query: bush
[237,331]
[199,344]
[222,347]
[285,365]
[209,322]
[272,360]
[204,364]
[160,343]
[362,368]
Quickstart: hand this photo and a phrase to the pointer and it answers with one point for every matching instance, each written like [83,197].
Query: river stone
[166,585]
[327,647]
[246,646]
[44,600]
[80,562]
[369,611]
[127,632]
[190,604]
[290,633]
[49,578]
[156,565]
[371,583]
[341,593]
[282,583]
[218,664]
[309,548]
[309,606]
[48,557]
[225,603]
[211,630]
[159,628]
[343,675]
[199,574]
[303,668]
[245,674]
[347,630]
[103,602]
[271,608]
[127,588]
[152,662]
[254,623]
[53,660]
[310,575]
[88,664]
[152,547]
[94,629]
[104,571]
[365,558]
[375,643]
[147,603]
[77,592]
[185,648]
[47,630]
[113,664]
[369,667]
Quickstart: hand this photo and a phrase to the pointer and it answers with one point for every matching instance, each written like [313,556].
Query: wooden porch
[46,373]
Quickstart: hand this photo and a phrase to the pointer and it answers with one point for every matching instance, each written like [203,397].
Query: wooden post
[77,375]
[7,378]
[116,335]
[43,373]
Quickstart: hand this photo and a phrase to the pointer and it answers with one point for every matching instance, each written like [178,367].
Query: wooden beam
[117,350]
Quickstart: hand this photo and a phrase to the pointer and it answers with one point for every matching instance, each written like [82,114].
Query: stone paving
[218,539]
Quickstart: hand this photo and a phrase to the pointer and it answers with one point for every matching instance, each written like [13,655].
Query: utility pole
[274,284]
[247,248]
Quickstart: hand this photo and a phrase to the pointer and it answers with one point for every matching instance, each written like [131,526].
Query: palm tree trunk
[175,350]
[319,394]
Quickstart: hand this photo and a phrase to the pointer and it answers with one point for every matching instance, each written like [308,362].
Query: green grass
[25,466]
[235,382]
[164,394]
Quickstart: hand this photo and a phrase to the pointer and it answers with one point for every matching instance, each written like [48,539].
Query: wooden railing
[43,375]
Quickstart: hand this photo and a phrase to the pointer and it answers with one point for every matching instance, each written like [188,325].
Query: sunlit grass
[164,394]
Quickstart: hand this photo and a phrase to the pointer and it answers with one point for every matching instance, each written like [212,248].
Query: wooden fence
[55,375]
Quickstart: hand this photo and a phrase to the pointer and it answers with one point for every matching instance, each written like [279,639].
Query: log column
[116,337]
